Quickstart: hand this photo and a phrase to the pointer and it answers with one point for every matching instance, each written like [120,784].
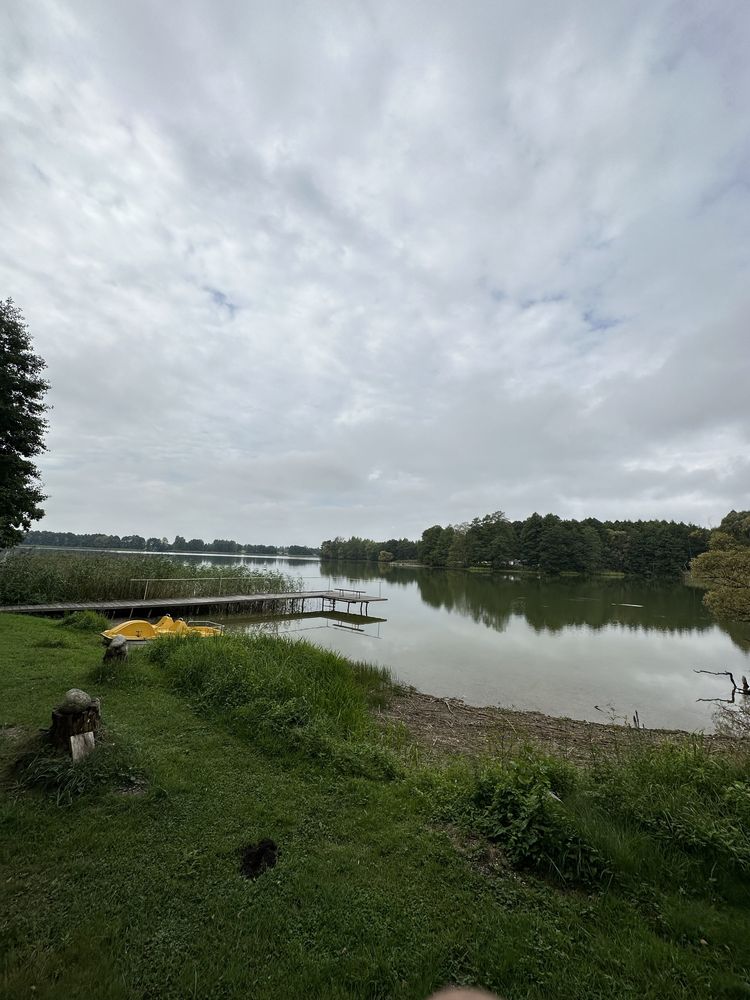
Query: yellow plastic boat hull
[139,630]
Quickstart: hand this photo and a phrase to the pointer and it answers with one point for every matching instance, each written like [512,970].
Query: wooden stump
[77,715]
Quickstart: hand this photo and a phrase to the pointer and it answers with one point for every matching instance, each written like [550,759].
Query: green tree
[22,426]
[725,568]
[531,540]
[429,544]
[457,556]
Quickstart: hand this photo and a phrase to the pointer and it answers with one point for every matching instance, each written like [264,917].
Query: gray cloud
[300,270]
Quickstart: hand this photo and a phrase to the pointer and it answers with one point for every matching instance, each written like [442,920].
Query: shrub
[516,805]
[85,621]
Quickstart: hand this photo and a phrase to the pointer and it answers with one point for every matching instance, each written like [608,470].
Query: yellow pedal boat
[139,630]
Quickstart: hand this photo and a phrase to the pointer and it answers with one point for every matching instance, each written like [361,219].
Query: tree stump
[78,714]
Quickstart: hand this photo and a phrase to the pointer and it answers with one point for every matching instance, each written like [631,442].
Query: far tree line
[139,543]
[546,543]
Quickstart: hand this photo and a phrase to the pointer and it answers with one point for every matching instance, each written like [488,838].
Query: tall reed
[45,577]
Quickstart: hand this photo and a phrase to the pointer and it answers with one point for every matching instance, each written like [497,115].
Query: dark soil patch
[258,858]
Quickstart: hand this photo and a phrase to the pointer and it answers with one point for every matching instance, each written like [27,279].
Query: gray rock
[117,649]
[76,701]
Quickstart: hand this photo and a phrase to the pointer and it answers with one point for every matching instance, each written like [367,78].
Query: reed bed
[46,577]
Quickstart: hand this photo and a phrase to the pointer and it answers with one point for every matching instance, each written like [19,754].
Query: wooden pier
[228,604]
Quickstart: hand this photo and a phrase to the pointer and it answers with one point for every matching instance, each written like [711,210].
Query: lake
[589,649]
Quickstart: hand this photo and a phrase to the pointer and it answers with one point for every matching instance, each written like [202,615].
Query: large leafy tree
[725,568]
[22,426]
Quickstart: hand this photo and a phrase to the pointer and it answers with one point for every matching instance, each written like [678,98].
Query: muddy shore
[448,725]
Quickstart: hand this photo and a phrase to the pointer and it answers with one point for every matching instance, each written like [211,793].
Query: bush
[516,804]
[85,621]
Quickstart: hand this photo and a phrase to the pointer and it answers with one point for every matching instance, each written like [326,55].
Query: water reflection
[558,646]
[553,605]
[547,606]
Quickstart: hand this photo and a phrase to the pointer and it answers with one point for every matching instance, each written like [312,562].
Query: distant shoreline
[166,552]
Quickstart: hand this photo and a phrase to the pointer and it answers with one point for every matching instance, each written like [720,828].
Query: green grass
[29,577]
[85,621]
[387,885]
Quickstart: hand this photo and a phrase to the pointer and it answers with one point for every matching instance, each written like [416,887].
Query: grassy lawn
[389,881]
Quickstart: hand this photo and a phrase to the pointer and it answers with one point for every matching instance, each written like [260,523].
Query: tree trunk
[66,724]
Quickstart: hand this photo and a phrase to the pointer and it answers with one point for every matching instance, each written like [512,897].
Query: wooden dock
[228,604]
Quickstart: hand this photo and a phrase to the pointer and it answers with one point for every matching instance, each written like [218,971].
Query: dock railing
[151,584]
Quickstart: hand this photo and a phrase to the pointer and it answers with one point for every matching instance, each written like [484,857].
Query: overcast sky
[307,269]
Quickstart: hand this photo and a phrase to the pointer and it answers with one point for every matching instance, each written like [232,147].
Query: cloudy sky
[360,266]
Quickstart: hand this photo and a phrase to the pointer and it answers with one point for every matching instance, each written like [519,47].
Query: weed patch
[85,621]
[52,644]
[682,795]
[40,766]
[517,805]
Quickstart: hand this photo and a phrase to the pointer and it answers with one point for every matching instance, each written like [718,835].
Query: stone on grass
[117,649]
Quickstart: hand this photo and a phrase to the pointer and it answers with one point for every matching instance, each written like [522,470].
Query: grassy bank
[519,873]
[33,577]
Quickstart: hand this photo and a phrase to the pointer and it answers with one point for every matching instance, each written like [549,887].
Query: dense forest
[366,550]
[546,543]
[138,543]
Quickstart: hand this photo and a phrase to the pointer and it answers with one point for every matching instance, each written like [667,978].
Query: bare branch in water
[720,673]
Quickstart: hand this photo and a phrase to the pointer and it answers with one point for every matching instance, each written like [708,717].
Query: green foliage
[356,549]
[43,767]
[137,543]
[684,796]
[85,621]
[725,568]
[22,426]
[140,895]
[553,546]
[35,577]
[517,805]
[657,819]
[284,695]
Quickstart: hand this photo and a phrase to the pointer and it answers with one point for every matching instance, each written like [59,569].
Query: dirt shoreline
[448,725]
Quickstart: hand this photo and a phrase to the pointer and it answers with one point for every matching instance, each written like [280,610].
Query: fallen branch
[721,673]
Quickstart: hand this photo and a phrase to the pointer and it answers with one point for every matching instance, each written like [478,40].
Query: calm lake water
[560,647]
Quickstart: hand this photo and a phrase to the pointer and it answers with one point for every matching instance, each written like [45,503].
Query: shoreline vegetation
[32,576]
[417,842]
[547,544]
[138,543]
